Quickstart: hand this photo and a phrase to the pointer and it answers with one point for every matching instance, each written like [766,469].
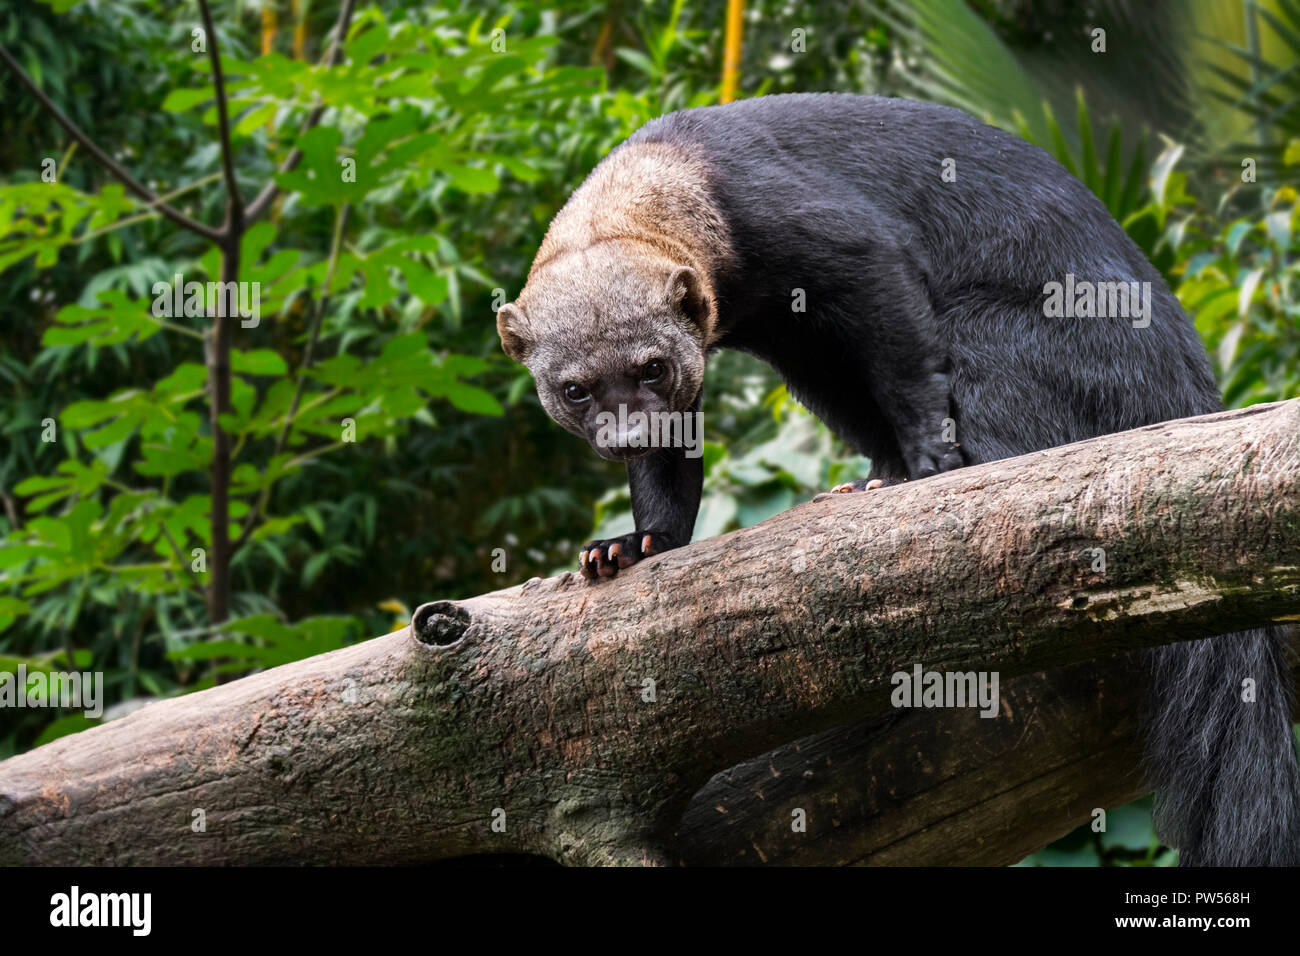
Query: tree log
[576,720]
[933,787]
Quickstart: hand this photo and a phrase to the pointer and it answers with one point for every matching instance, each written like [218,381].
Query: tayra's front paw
[862,484]
[603,559]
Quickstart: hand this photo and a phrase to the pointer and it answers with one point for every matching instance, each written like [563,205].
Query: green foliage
[1127,840]
[968,65]
[273,643]
[108,493]
[1241,281]
[1265,89]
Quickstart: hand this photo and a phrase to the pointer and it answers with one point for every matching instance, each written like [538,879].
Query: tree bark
[933,787]
[576,720]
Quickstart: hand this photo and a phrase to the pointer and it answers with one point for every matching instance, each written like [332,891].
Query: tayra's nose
[624,439]
[633,435]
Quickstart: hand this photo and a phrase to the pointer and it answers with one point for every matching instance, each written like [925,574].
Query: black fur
[925,302]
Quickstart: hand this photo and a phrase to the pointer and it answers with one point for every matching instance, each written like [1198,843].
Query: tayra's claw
[850,487]
[604,559]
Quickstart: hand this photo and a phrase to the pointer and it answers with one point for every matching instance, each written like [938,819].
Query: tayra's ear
[687,291]
[512,326]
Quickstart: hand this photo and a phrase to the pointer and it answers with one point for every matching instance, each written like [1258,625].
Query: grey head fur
[623,283]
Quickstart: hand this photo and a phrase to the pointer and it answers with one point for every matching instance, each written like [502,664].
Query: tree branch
[333,57]
[234,226]
[131,183]
[935,787]
[218,348]
[584,716]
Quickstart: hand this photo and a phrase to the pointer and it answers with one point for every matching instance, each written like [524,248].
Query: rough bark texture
[529,704]
[933,788]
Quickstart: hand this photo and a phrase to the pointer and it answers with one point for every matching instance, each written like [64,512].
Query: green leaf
[473,180]
[1161,171]
[363,48]
[468,398]
[11,608]
[1236,233]
[257,362]
[717,513]
[319,177]
[639,60]
[1129,827]
[255,119]
[1246,295]
[210,650]
[182,101]
[115,320]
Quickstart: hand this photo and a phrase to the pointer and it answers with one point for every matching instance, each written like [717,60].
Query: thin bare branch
[129,181]
[235,209]
[142,216]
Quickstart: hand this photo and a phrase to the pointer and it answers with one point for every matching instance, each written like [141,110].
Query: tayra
[940,293]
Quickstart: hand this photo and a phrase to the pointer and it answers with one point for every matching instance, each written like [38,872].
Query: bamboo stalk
[731,50]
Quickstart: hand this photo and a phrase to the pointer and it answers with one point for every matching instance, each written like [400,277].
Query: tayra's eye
[576,393]
[653,371]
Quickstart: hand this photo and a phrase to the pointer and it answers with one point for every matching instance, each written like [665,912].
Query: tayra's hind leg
[919,455]
[906,423]
[871,363]
[896,403]
[920,410]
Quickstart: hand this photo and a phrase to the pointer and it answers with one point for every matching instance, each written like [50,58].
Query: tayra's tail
[1221,754]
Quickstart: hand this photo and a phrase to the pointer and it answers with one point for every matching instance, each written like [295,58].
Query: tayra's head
[611,326]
